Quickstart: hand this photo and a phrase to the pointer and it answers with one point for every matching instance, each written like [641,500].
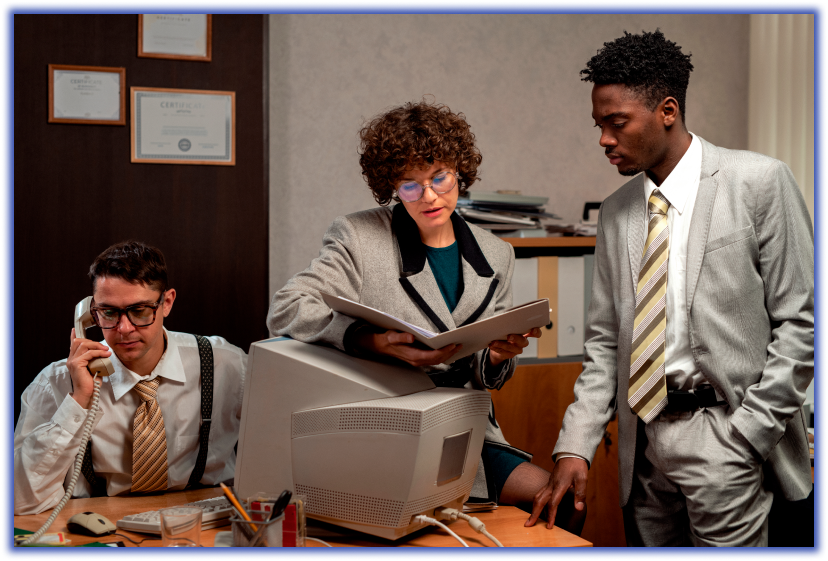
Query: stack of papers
[501,211]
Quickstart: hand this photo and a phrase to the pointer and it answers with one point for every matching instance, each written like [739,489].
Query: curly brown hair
[415,135]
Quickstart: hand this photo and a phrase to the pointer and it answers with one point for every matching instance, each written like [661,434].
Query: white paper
[95,96]
[474,336]
[183,126]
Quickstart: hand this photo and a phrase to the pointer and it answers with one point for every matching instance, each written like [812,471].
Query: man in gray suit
[701,323]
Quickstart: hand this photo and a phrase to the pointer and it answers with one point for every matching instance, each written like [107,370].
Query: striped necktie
[149,448]
[647,394]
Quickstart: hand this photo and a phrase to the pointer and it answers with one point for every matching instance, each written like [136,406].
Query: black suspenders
[205,355]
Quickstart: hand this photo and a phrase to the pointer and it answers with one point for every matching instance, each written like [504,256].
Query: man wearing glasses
[153,398]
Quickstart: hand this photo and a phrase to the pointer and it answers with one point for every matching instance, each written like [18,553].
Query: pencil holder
[266,534]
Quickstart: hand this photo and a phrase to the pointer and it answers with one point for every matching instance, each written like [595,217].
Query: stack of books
[506,214]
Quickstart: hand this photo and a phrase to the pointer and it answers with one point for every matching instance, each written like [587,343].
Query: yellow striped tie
[647,394]
[149,448]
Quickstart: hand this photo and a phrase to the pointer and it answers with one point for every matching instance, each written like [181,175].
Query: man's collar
[170,367]
[412,249]
[676,188]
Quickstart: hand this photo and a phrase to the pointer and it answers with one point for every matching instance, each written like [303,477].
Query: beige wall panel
[515,77]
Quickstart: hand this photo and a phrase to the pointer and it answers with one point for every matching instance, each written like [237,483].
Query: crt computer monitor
[368,444]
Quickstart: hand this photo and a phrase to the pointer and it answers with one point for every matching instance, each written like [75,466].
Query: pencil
[235,502]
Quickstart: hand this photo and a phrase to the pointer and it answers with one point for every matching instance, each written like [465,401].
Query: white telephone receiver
[83,320]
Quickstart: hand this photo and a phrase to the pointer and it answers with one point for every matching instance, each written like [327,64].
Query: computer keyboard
[215,512]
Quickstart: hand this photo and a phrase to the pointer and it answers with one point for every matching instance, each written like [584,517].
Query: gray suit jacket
[750,300]
[375,257]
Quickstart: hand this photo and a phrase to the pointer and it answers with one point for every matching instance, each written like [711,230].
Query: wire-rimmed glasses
[442,183]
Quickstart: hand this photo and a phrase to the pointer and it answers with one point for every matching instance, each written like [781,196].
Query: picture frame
[87,95]
[178,126]
[176,36]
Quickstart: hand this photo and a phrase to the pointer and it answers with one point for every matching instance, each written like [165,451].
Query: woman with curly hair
[420,261]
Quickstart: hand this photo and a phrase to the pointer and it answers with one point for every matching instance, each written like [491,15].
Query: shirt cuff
[562,455]
[70,416]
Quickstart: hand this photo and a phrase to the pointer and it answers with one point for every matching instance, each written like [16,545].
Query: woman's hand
[511,347]
[400,345]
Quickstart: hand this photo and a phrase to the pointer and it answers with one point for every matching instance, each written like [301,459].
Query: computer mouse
[90,524]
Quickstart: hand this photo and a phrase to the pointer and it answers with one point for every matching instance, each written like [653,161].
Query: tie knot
[657,204]
[147,389]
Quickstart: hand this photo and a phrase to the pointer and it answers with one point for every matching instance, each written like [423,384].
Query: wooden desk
[505,523]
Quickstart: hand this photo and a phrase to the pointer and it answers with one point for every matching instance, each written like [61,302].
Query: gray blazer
[375,257]
[750,299]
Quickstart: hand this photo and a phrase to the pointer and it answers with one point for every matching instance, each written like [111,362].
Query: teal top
[445,264]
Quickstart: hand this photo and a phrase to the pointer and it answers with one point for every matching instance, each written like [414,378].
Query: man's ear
[669,111]
[169,298]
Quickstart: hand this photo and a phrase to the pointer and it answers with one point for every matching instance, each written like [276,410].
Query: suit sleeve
[786,264]
[298,311]
[587,417]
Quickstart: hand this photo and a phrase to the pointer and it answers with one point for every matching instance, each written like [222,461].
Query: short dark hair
[416,135]
[132,261]
[649,64]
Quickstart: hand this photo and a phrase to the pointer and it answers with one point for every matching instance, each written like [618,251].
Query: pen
[280,504]
[234,501]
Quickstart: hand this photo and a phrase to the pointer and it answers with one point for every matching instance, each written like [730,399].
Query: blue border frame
[9,9]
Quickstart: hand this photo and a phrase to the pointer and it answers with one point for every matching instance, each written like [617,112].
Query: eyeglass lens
[442,183]
[140,316]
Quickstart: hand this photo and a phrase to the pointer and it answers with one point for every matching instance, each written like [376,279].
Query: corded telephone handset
[83,320]
[98,367]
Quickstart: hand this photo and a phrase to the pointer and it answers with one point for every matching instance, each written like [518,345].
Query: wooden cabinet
[531,406]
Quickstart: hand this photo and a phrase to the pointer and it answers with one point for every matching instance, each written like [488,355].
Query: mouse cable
[320,541]
[87,432]
[475,523]
[426,520]
[133,541]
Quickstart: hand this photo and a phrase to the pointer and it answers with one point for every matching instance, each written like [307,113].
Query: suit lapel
[702,215]
[418,279]
[636,230]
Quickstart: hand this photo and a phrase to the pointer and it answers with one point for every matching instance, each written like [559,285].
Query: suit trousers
[696,484]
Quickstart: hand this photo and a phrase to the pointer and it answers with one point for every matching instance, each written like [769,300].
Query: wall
[781,100]
[514,76]
[76,192]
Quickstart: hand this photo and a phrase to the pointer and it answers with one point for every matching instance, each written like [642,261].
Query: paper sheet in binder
[474,337]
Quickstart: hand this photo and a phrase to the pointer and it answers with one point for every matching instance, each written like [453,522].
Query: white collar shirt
[680,189]
[48,431]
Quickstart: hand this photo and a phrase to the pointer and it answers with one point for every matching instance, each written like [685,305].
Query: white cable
[87,432]
[476,524]
[425,519]
[320,541]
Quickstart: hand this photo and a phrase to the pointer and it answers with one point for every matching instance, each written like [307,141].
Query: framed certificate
[172,126]
[176,36]
[88,95]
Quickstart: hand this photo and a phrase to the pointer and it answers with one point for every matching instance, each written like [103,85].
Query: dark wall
[76,192]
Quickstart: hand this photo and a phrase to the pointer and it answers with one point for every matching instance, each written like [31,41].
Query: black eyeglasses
[139,315]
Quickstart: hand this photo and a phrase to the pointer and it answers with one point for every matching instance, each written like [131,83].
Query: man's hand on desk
[568,473]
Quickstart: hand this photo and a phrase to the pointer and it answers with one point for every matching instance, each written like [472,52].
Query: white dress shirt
[48,432]
[680,189]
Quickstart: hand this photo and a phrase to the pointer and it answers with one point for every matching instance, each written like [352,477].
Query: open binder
[474,336]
